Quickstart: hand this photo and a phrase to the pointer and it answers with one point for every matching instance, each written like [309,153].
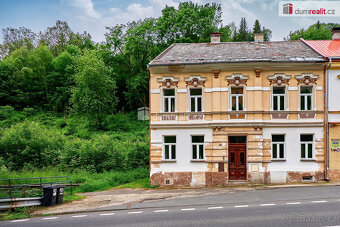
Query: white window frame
[237,98]
[169,101]
[197,150]
[305,98]
[196,100]
[306,147]
[278,148]
[279,98]
[170,149]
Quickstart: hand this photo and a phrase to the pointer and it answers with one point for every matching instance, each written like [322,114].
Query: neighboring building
[236,111]
[330,50]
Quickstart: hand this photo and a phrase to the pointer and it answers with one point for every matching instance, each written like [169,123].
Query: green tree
[257,27]
[318,31]
[61,80]
[94,91]
[243,33]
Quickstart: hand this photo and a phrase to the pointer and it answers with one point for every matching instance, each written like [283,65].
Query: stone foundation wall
[297,176]
[199,179]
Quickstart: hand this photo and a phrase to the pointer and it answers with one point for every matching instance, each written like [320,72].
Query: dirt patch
[126,197]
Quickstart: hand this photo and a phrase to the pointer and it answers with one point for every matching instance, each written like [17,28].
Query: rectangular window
[306,95]
[278,147]
[197,147]
[279,98]
[237,98]
[169,100]
[169,148]
[196,99]
[306,142]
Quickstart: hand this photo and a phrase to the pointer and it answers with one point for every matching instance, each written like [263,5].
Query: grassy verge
[140,183]
[18,213]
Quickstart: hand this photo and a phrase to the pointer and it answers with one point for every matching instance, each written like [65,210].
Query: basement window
[278,147]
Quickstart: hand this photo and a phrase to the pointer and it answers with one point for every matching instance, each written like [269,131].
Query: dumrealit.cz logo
[309,8]
[287,8]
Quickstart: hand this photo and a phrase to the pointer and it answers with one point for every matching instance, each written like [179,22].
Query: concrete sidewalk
[121,199]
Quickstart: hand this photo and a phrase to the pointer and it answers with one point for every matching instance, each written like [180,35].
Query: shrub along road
[302,206]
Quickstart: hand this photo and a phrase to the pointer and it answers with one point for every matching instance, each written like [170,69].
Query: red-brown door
[237,159]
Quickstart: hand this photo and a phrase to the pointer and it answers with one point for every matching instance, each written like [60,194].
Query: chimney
[215,37]
[258,37]
[336,33]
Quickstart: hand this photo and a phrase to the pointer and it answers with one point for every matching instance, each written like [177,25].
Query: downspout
[326,122]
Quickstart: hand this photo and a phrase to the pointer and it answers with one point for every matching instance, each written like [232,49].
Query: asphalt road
[304,206]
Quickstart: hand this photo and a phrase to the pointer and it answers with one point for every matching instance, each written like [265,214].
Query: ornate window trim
[195,80]
[168,81]
[279,79]
[307,78]
[237,79]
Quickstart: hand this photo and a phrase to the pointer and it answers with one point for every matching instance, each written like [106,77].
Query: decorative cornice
[237,79]
[307,78]
[168,81]
[195,80]
[279,79]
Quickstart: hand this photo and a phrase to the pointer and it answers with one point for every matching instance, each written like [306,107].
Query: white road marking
[50,218]
[135,212]
[107,214]
[21,220]
[238,206]
[184,209]
[213,208]
[320,201]
[79,216]
[293,203]
[267,204]
[160,211]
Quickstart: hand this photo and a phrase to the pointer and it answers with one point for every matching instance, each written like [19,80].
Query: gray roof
[231,52]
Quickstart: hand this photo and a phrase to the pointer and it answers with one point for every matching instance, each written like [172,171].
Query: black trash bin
[50,195]
[60,194]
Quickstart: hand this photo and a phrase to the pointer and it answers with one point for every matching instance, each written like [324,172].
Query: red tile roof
[327,48]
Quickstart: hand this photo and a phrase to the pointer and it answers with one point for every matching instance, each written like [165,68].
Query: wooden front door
[237,158]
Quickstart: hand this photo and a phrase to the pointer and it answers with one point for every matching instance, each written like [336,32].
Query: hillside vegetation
[35,143]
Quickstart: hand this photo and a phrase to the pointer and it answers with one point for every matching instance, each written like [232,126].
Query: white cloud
[87,7]
[95,22]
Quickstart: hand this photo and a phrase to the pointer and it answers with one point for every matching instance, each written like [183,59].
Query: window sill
[197,160]
[168,160]
[307,160]
[279,160]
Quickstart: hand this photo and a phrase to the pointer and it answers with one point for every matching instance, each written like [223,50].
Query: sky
[94,15]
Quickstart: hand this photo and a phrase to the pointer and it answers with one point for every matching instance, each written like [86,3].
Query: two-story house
[330,51]
[222,112]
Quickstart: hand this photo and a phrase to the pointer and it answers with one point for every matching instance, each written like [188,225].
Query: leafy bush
[32,144]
